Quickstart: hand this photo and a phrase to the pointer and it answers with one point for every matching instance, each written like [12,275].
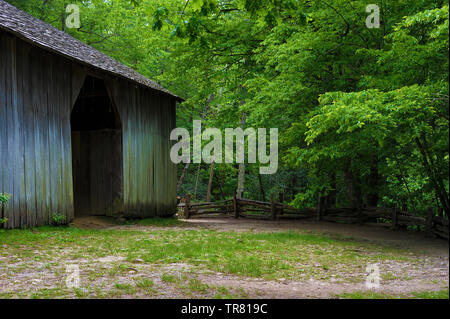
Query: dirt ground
[431,275]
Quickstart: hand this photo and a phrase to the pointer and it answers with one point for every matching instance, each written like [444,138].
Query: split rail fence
[277,210]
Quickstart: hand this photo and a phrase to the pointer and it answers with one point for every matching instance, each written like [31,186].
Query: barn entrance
[96,152]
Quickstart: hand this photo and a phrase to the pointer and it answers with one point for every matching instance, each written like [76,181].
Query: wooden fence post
[235,205]
[273,207]
[429,222]
[394,218]
[187,201]
[281,200]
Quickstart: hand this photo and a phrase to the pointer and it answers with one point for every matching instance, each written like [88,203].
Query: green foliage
[4,198]
[361,112]
[58,220]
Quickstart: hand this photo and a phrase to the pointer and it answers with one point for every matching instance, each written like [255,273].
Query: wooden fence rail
[248,208]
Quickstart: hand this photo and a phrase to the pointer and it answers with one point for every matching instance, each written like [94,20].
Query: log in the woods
[211,207]
[251,201]
[219,207]
[411,219]
[194,213]
[208,203]
[264,209]
[241,204]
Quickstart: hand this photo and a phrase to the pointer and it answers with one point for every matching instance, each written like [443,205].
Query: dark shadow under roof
[47,37]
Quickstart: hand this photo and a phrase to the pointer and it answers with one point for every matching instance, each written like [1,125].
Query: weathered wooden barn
[80,133]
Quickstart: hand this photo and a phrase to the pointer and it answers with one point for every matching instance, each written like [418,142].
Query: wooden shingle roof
[42,34]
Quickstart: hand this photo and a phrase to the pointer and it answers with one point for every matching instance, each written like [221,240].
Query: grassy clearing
[111,261]
[290,255]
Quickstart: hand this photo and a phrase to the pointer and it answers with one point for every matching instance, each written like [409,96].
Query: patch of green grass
[366,295]
[291,255]
[125,288]
[267,255]
[144,283]
[223,293]
[49,293]
[442,294]
[169,278]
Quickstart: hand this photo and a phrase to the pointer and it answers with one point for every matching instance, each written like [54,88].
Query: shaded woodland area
[362,112]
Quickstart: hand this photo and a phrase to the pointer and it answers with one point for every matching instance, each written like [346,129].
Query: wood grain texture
[37,92]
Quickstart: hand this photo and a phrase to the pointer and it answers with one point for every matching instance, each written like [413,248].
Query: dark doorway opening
[96,152]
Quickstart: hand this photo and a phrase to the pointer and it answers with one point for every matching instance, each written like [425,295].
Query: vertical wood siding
[147,117]
[35,148]
[37,92]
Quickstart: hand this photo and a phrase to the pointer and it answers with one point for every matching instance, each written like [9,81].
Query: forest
[361,109]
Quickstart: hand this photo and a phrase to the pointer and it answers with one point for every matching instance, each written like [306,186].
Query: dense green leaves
[362,112]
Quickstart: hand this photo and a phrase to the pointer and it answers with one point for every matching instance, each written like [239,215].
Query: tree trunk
[241,174]
[434,176]
[196,180]
[241,181]
[261,188]
[211,173]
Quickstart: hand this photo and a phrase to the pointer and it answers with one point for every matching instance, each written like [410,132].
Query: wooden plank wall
[147,117]
[37,92]
[36,96]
